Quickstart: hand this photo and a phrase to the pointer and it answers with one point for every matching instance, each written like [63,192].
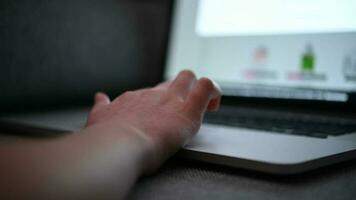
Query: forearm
[96,163]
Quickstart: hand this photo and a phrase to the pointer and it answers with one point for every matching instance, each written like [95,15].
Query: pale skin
[124,139]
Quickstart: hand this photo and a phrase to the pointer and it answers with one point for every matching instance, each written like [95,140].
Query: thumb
[101,99]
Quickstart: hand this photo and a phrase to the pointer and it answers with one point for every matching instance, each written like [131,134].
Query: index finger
[201,95]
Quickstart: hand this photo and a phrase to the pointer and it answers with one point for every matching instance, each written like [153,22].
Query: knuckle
[187,73]
[128,94]
[125,97]
[206,83]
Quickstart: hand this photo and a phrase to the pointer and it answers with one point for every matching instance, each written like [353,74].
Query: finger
[182,85]
[214,105]
[101,99]
[201,95]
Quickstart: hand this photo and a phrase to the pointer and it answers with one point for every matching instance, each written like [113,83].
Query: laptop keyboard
[303,126]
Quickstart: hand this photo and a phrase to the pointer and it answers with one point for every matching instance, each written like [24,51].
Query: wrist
[148,154]
[138,145]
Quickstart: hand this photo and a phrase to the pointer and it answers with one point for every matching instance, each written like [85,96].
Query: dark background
[58,52]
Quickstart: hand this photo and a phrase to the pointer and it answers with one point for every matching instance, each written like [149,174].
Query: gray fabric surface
[184,179]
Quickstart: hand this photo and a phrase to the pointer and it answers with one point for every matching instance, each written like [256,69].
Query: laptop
[288,74]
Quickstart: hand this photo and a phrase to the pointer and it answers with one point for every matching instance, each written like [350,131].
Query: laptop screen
[287,49]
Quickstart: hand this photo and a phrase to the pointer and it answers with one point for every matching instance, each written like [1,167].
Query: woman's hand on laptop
[164,117]
[123,139]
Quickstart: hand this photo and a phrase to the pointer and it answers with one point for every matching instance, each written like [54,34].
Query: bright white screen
[246,17]
[293,44]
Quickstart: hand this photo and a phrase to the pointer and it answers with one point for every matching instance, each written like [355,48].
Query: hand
[166,116]
[123,139]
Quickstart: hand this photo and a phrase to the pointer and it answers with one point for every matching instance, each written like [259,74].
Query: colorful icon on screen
[307,71]
[308,59]
[260,56]
[259,69]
